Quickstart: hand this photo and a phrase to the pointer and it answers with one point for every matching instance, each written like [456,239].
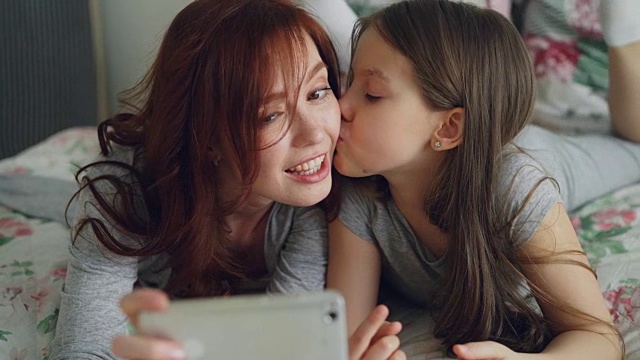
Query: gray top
[89,318]
[407,266]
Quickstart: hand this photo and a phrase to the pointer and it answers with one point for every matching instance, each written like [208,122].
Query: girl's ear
[448,134]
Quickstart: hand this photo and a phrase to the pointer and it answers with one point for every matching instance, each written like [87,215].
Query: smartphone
[309,326]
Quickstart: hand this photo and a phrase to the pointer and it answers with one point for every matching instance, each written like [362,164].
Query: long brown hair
[203,94]
[473,58]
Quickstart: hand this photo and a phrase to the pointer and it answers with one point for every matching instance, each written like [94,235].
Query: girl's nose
[345,108]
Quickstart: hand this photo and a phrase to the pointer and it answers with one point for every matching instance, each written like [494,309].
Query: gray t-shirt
[407,266]
[295,255]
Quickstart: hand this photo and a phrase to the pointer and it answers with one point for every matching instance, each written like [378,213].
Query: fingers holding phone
[140,346]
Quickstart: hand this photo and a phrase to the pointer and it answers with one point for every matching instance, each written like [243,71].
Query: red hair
[203,94]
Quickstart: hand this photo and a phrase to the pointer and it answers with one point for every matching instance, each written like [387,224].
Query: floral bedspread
[33,251]
[33,254]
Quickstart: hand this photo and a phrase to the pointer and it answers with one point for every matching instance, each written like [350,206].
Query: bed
[36,183]
[34,186]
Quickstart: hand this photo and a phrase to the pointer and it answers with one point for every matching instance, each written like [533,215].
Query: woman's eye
[272,117]
[319,94]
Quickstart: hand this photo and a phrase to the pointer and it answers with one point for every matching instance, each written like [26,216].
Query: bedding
[37,183]
[34,238]
[609,231]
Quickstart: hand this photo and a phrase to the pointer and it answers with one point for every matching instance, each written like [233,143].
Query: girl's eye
[372,97]
[319,94]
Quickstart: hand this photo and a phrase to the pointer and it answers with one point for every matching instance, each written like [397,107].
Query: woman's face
[296,169]
[387,124]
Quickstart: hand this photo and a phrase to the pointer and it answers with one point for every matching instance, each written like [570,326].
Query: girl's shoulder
[363,194]
[522,179]
[515,166]
[526,190]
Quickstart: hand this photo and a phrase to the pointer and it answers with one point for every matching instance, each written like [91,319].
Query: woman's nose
[308,129]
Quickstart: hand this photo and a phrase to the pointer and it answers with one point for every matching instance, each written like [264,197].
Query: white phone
[309,326]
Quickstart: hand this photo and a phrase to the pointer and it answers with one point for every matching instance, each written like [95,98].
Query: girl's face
[387,124]
[296,169]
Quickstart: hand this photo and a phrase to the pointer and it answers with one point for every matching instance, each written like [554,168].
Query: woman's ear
[214,155]
[448,133]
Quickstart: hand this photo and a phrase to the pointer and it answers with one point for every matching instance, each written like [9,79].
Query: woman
[208,187]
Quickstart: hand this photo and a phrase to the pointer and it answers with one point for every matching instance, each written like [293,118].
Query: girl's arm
[569,283]
[573,285]
[353,270]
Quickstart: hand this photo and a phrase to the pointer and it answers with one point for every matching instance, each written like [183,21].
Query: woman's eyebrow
[273,97]
[281,95]
[315,70]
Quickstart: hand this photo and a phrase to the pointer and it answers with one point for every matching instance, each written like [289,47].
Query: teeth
[308,167]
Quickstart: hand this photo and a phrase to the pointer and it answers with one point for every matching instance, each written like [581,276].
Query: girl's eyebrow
[377,73]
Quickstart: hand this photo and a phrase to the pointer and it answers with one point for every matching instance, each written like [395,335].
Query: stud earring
[437,144]
[215,156]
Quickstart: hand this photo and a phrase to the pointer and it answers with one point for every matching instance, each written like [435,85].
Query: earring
[215,156]
[437,144]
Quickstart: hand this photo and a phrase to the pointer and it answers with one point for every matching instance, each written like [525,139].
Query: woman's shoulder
[289,213]
[119,161]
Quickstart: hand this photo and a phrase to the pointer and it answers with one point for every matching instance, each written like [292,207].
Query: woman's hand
[376,338]
[139,346]
[484,350]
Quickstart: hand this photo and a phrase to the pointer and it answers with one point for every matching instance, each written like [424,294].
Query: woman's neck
[247,225]
[247,228]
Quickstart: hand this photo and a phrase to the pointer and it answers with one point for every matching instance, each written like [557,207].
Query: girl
[582,50]
[450,211]
[339,17]
[209,187]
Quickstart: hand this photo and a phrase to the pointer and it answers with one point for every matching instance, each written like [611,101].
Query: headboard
[47,70]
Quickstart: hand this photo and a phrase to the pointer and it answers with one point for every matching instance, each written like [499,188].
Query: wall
[132,31]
